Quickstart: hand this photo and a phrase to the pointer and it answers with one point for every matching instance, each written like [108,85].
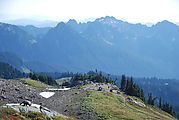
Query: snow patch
[108,42]
[13,104]
[18,104]
[36,105]
[166,84]
[59,89]
[47,94]
[33,41]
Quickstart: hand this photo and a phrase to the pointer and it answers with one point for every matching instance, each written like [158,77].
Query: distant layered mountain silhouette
[37,23]
[9,72]
[107,44]
[15,40]
[11,59]
[35,31]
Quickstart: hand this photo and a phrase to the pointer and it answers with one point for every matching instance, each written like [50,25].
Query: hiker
[42,108]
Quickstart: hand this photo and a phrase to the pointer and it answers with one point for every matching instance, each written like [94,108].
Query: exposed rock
[102,87]
[34,108]
[63,101]
[136,102]
[3,96]
[13,91]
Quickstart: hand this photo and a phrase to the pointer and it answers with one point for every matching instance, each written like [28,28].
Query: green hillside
[34,83]
[11,114]
[63,80]
[111,106]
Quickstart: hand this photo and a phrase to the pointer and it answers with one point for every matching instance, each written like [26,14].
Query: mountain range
[107,44]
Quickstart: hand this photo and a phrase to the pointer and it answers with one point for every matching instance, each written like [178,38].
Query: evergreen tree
[168,108]
[131,88]
[123,82]
[160,103]
[151,100]
[142,96]
[43,78]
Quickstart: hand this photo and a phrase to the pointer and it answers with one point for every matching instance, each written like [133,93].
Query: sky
[62,10]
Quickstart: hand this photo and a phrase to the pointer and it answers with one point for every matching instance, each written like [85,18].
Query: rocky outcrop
[103,86]
[34,108]
[62,102]
[136,102]
[13,91]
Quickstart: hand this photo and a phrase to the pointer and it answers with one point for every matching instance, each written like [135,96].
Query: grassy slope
[114,107]
[63,80]
[11,114]
[34,83]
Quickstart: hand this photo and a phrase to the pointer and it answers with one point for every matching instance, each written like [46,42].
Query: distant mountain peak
[110,17]
[30,26]
[165,23]
[72,21]
[60,24]
[108,20]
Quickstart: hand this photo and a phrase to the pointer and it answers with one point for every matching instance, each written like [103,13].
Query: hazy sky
[129,10]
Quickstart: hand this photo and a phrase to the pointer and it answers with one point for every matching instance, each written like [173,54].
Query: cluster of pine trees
[79,79]
[151,99]
[9,72]
[130,88]
[57,75]
[43,78]
[162,105]
[166,107]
